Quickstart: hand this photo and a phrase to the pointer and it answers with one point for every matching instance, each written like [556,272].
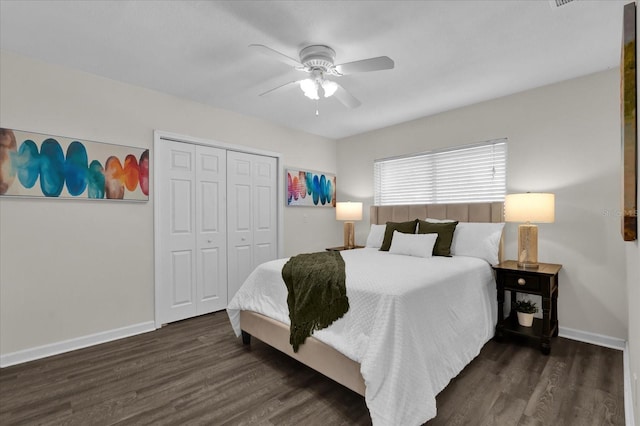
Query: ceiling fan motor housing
[317,57]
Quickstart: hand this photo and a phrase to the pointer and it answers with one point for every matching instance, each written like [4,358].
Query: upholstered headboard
[464,212]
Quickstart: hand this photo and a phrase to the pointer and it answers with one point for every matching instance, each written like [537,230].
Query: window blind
[472,173]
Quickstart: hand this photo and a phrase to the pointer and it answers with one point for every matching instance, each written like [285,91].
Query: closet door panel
[265,209]
[182,284]
[252,214]
[240,266]
[211,240]
[177,279]
[213,289]
[240,219]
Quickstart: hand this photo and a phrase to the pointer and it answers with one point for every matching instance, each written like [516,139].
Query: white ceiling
[447,53]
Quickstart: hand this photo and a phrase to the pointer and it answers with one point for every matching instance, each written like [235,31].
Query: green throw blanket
[317,293]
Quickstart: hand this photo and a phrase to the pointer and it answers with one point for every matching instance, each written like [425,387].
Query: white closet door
[265,206]
[211,226]
[192,230]
[177,232]
[251,214]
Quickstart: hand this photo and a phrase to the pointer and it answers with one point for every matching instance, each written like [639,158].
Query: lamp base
[528,246]
[349,235]
[525,265]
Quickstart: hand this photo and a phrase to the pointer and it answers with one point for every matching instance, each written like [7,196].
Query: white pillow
[419,245]
[477,239]
[429,219]
[376,235]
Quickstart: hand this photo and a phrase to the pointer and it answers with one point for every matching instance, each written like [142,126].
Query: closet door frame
[157,172]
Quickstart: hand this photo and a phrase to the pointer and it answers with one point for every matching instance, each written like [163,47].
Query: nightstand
[542,282]
[340,248]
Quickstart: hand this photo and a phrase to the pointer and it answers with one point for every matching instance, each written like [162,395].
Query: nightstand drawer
[524,282]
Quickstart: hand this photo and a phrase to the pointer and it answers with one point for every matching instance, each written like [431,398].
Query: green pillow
[404,227]
[445,235]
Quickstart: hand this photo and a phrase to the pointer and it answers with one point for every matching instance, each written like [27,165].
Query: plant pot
[525,320]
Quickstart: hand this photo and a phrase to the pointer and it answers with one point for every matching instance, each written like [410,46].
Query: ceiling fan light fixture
[318,61]
[329,87]
[310,88]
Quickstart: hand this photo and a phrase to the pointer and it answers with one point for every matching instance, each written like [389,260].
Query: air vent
[559,3]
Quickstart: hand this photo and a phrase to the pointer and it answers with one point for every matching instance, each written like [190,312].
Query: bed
[413,323]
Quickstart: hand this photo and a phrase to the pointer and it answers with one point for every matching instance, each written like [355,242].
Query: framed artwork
[37,165]
[309,188]
[628,107]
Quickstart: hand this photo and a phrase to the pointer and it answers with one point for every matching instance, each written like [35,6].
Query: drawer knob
[521,281]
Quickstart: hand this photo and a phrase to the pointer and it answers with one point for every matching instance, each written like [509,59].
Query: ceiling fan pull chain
[317,108]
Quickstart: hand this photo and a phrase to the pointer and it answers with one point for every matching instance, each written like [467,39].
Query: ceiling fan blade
[346,98]
[276,55]
[366,65]
[282,86]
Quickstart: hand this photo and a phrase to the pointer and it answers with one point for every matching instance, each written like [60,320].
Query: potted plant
[525,310]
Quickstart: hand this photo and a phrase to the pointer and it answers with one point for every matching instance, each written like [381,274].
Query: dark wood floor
[196,372]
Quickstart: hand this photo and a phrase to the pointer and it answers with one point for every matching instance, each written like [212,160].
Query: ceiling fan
[318,62]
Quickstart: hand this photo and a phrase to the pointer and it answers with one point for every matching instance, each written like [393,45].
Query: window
[472,173]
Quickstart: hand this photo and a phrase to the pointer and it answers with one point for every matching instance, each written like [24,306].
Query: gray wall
[74,268]
[563,138]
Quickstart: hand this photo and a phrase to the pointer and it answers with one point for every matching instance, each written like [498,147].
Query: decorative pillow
[445,235]
[404,227]
[432,220]
[478,240]
[376,236]
[419,245]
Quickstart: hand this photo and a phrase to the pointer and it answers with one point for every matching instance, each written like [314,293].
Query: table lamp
[529,207]
[349,212]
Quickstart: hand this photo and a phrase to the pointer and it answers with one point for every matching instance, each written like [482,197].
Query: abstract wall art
[309,188]
[37,165]
[628,113]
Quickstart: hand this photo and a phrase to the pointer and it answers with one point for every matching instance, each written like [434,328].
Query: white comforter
[413,324]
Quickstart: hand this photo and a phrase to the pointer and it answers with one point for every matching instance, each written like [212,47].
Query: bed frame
[322,357]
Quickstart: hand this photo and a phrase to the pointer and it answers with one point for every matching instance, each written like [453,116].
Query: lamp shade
[533,207]
[348,210]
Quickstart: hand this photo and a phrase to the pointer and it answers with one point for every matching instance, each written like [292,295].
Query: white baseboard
[593,338]
[56,348]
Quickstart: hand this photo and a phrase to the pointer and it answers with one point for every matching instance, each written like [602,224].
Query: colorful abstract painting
[628,107]
[37,165]
[307,188]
